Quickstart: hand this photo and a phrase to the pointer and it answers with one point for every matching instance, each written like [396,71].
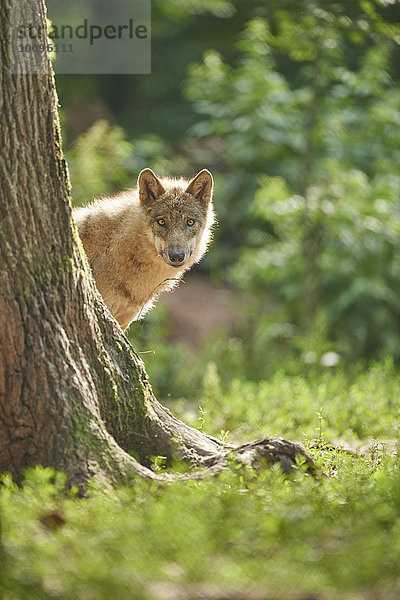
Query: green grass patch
[334,405]
[337,535]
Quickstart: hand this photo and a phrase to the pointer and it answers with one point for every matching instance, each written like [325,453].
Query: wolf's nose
[176,255]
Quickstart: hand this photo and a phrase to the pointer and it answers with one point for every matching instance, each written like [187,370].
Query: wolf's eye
[190,222]
[161,222]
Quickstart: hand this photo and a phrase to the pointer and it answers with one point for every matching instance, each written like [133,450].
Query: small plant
[158,463]
[224,435]
[320,431]
[201,418]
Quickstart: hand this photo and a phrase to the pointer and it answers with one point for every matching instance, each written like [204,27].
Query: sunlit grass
[337,535]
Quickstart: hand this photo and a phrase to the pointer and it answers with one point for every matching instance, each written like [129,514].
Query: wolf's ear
[201,186]
[150,187]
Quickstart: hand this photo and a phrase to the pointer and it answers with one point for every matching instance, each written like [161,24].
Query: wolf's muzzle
[176,256]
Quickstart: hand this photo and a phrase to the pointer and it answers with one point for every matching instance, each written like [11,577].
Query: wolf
[140,242]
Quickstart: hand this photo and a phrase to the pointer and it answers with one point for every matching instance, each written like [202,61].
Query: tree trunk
[73,393]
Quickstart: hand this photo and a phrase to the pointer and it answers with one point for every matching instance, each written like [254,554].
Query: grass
[363,406]
[337,536]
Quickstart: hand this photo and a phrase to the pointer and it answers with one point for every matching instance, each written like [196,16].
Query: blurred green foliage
[311,97]
[287,405]
[358,223]
[99,162]
[289,390]
[299,108]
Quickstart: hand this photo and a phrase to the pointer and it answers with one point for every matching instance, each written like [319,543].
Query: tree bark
[73,393]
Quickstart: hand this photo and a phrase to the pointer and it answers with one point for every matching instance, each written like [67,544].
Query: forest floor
[242,535]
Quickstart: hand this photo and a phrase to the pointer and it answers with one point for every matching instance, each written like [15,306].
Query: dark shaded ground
[199,307]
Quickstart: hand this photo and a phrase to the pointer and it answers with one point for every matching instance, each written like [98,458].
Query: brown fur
[140,242]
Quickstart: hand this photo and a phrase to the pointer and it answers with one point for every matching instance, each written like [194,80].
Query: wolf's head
[178,212]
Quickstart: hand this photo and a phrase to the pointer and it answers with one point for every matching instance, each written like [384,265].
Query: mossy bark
[73,393]
[53,366]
